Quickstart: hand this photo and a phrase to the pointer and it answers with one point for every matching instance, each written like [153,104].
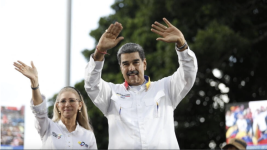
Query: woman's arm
[32,74]
[38,104]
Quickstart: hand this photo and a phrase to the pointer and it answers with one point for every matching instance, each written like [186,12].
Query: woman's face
[69,104]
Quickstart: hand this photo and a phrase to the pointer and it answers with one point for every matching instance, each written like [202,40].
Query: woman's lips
[68,110]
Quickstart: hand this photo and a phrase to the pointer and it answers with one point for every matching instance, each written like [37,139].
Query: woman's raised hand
[29,72]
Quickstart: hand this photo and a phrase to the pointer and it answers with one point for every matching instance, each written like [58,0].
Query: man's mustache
[135,72]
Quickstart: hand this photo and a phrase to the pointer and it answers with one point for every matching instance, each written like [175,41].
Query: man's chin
[133,83]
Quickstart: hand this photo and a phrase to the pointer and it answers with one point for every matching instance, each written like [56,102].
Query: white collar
[62,125]
[138,87]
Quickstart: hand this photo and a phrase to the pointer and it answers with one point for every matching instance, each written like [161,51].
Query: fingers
[157,32]
[160,39]
[109,28]
[32,64]
[119,39]
[118,29]
[18,66]
[114,29]
[24,65]
[167,22]
[157,28]
[18,70]
[163,27]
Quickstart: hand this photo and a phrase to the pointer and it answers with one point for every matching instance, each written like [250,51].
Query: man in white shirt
[140,112]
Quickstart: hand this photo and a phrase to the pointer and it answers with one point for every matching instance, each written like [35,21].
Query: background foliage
[227,36]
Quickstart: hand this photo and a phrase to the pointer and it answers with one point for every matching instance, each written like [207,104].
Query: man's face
[133,68]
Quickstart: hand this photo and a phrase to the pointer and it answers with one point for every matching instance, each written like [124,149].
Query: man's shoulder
[116,86]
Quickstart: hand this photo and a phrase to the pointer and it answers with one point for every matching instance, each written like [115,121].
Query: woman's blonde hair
[82,116]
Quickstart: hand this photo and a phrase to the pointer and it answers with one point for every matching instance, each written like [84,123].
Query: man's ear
[145,63]
[120,68]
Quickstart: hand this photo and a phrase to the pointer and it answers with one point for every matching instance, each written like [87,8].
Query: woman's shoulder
[86,131]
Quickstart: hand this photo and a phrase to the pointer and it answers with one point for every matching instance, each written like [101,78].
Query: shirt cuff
[183,55]
[187,55]
[96,65]
[40,108]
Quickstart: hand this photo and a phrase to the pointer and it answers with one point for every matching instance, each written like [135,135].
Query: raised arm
[97,89]
[180,83]
[39,109]
[32,74]
[108,40]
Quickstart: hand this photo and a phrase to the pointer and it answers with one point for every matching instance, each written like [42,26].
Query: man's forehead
[130,56]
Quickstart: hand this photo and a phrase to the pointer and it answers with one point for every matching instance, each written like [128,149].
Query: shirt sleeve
[183,79]
[40,114]
[97,89]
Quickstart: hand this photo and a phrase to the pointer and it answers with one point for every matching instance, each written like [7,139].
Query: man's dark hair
[130,48]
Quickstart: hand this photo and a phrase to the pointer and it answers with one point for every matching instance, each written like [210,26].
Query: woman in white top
[69,128]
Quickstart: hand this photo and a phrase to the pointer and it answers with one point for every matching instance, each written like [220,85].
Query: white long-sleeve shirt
[141,118]
[55,135]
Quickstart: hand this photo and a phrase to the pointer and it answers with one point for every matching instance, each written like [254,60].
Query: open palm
[169,33]
[29,72]
[110,38]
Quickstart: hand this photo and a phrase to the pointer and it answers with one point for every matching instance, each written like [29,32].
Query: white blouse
[55,135]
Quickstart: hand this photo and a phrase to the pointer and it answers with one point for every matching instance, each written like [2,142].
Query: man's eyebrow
[124,62]
[136,60]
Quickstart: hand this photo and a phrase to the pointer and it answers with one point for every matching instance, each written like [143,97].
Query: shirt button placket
[69,142]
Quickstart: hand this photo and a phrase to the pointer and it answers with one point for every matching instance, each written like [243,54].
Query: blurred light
[227,78]
[232,59]
[243,83]
[212,144]
[255,11]
[198,102]
[223,88]
[217,73]
[225,98]
[202,119]
[121,5]
[254,95]
[175,124]
[201,93]
[212,83]
[223,144]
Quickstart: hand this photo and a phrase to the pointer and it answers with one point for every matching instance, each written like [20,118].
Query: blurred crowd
[243,124]
[12,126]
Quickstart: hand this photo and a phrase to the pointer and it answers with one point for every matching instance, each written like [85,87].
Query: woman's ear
[81,105]
[57,106]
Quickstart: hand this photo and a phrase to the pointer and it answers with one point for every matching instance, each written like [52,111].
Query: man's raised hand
[110,38]
[169,33]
